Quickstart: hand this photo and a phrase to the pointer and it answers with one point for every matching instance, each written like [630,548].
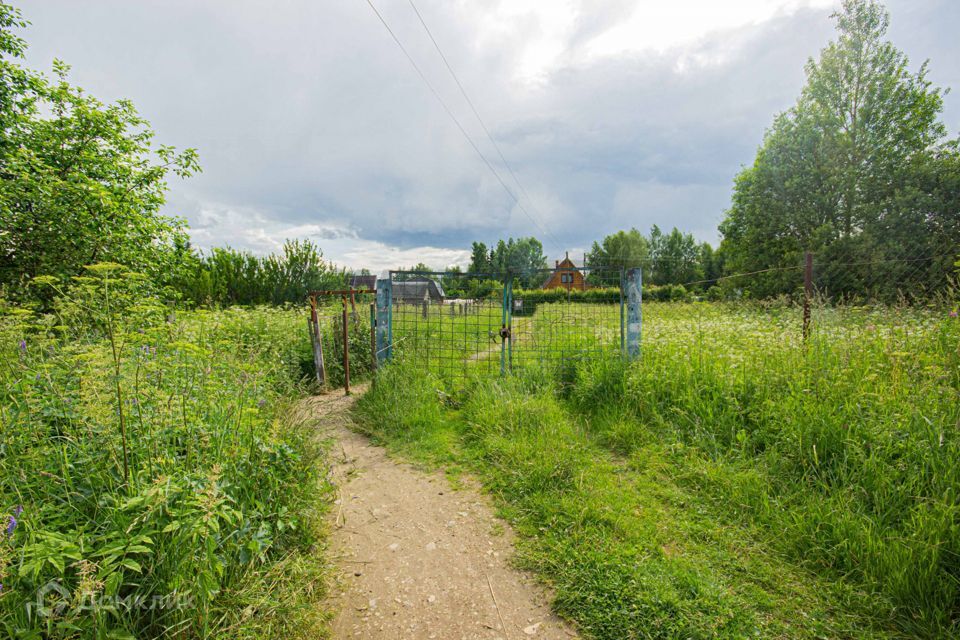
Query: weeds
[164,490]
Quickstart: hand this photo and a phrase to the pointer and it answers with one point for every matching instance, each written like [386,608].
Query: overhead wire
[456,121]
[476,114]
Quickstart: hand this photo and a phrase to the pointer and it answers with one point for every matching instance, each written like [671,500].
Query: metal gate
[461,324]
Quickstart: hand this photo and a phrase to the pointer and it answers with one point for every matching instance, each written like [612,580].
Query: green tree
[229,277]
[850,172]
[674,257]
[621,249]
[521,257]
[711,264]
[80,181]
[417,267]
[479,259]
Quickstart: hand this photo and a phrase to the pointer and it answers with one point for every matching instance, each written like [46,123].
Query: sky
[310,121]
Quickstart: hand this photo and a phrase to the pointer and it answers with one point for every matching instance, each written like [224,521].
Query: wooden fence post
[313,323]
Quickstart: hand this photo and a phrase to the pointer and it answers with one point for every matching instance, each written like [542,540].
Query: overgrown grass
[456,341]
[733,482]
[165,488]
[843,450]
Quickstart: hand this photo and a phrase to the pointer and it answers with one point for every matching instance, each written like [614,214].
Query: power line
[476,114]
[456,121]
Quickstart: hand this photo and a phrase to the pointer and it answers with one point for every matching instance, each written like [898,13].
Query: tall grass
[628,552]
[844,449]
[838,456]
[161,488]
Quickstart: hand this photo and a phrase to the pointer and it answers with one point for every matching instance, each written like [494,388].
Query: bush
[229,277]
[601,295]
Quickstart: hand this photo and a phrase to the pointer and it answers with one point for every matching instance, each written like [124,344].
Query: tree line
[859,171]
[83,182]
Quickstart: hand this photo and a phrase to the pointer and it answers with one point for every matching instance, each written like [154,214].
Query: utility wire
[476,114]
[455,120]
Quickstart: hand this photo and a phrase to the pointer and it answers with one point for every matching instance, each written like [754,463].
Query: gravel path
[415,558]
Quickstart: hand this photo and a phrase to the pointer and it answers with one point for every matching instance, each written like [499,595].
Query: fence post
[384,320]
[373,337]
[313,323]
[504,328]
[807,292]
[510,329]
[634,311]
[346,349]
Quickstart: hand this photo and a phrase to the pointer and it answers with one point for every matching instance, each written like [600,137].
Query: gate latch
[505,332]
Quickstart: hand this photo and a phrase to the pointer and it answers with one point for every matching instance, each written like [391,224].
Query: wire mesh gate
[462,324]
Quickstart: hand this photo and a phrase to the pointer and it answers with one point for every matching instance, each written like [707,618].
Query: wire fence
[458,325]
[559,323]
[836,278]
[461,325]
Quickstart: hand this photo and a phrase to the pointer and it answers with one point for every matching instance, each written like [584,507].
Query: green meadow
[733,481]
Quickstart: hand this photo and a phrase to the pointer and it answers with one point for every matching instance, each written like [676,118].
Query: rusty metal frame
[315,329]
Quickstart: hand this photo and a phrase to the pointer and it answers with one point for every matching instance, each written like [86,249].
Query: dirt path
[416,558]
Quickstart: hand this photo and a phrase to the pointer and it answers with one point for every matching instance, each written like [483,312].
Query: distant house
[417,289]
[363,282]
[565,275]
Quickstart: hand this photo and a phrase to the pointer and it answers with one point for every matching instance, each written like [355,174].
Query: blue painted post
[384,320]
[510,328]
[634,312]
[505,325]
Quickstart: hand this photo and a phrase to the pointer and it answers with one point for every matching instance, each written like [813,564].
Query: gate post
[507,314]
[634,284]
[313,323]
[384,320]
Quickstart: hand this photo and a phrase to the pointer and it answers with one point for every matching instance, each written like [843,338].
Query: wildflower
[261,402]
[12,523]
[23,346]
[953,314]
[88,586]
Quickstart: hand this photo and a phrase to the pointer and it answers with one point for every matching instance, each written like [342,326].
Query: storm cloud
[311,123]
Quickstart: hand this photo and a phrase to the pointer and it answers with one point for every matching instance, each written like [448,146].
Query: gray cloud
[310,122]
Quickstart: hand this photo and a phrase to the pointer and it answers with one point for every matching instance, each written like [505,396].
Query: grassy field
[153,479]
[732,482]
[449,340]
[455,344]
